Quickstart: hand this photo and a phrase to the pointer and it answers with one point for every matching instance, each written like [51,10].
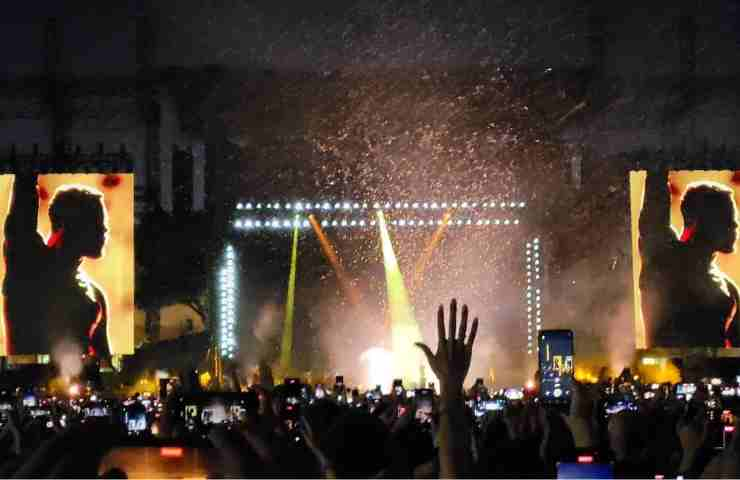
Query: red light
[729,428]
[585,459]
[290,407]
[171,452]
[659,477]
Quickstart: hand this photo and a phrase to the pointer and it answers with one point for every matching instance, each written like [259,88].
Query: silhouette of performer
[48,298]
[687,301]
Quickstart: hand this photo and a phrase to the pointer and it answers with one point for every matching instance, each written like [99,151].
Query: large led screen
[68,269]
[685,262]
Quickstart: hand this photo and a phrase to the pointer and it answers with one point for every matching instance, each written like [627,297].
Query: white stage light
[239,206]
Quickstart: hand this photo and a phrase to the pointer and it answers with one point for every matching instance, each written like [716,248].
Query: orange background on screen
[728,263]
[114,272]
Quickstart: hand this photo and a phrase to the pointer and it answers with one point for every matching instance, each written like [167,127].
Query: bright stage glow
[379,363]
[300,206]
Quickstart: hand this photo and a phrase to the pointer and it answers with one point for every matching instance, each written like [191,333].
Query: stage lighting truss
[325,206]
[533,293]
[250,223]
[227,302]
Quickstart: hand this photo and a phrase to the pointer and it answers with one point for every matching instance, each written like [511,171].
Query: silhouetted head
[709,208]
[79,214]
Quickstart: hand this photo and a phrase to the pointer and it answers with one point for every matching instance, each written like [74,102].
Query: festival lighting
[533,294]
[286,346]
[405,330]
[331,255]
[226,301]
[250,223]
[426,255]
[301,206]
[379,363]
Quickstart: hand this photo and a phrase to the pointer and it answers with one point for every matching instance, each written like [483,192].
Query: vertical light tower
[533,293]
[228,302]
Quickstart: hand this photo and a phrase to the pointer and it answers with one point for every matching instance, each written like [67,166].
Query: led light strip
[227,302]
[275,223]
[533,294]
[349,206]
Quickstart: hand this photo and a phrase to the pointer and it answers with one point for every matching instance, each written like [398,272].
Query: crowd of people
[618,428]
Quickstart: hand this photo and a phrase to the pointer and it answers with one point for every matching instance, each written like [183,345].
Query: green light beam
[286,348]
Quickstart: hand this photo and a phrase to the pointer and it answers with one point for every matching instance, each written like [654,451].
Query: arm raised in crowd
[451,364]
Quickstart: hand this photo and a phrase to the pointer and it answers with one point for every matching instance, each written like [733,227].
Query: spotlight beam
[349,290]
[286,347]
[405,330]
[426,255]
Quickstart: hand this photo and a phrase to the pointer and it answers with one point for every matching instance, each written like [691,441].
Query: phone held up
[556,369]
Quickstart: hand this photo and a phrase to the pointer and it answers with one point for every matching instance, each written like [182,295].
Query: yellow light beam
[404,329]
[286,348]
[349,290]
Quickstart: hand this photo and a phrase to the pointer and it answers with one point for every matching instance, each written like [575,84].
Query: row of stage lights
[250,224]
[533,294]
[308,206]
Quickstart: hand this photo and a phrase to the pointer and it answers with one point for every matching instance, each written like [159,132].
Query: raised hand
[451,363]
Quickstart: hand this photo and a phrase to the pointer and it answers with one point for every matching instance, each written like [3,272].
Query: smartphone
[97,411]
[424,404]
[619,403]
[573,470]
[556,366]
[135,423]
[191,412]
[514,393]
[495,405]
[686,389]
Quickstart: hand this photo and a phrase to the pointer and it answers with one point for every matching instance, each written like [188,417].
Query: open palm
[451,363]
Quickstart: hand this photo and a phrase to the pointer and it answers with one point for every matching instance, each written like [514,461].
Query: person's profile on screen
[49,299]
[686,300]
